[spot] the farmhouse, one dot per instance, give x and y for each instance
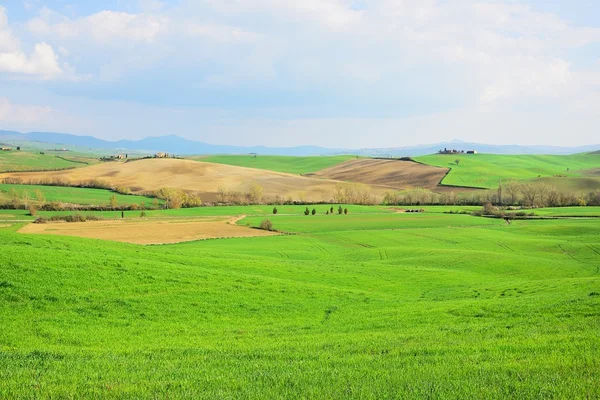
(5, 149)
(161, 155)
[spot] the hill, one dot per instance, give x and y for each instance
(205, 178)
(177, 145)
(27, 161)
(355, 306)
(392, 173)
(292, 165)
(486, 170)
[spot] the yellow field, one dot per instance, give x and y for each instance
(149, 231)
(205, 178)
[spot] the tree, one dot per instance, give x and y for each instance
(40, 197)
(327, 213)
(513, 189)
(143, 214)
(274, 210)
(266, 225)
(307, 211)
(530, 193)
(345, 211)
(314, 211)
(340, 210)
(331, 210)
(457, 161)
(113, 201)
(255, 194)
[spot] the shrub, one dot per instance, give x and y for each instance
(274, 210)
(307, 211)
(340, 210)
(345, 211)
(143, 214)
(314, 211)
(266, 225)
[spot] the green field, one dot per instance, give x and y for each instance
(353, 306)
(74, 195)
(26, 161)
(292, 165)
(486, 170)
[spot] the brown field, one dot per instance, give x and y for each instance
(205, 178)
(391, 173)
(149, 231)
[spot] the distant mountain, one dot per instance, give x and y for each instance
(181, 146)
(170, 144)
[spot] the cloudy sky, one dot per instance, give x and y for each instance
(357, 73)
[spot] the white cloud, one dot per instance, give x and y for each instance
(42, 62)
(103, 27)
(21, 114)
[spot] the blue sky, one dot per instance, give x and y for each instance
(369, 73)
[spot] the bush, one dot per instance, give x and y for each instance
(307, 211)
(143, 214)
(274, 210)
(266, 225)
(345, 211)
(314, 211)
(340, 210)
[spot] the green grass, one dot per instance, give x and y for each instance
(568, 211)
(25, 161)
(358, 306)
(73, 195)
(227, 211)
(293, 165)
(486, 170)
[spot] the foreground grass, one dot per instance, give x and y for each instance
(462, 307)
(72, 195)
(293, 165)
(486, 170)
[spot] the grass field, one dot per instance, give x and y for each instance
(26, 161)
(292, 165)
(354, 306)
(486, 170)
(73, 195)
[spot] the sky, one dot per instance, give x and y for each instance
(334, 73)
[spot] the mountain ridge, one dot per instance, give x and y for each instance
(182, 146)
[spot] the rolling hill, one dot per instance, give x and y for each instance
(486, 170)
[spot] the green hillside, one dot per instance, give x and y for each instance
(486, 170)
(293, 165)
(69, 195)
(26, 161)
(412, 306)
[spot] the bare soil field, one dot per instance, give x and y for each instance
(391, 173)
(205, 178)
(149, 231)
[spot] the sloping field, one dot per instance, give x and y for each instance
(485, 170)
(289, 164)
(25, 161)
(73, 195)
(393, 173)
(205, 178)
(148, 231)
(446, 307)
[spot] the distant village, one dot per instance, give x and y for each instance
(455, 151)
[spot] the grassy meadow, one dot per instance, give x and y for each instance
(486, 170)
(28, 161)
(74, 195)
(358, 306)
(289, 164)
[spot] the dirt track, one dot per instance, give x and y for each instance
(149, 231)
(392, 173)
